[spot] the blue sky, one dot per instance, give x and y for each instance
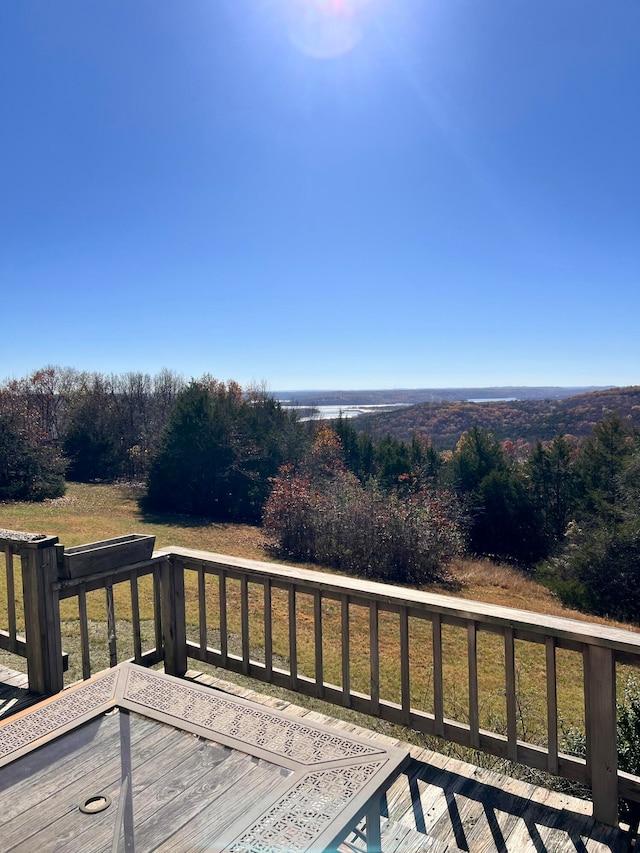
(322, 193)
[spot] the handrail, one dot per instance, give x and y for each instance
(306, 593)
(573, 631)
(601, 648)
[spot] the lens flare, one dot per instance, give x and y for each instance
(326, 28)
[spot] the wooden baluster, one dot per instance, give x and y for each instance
(222, 599)
(135, 618)
(202, 610)
(268, 630)
(405, 683)
(244, 622)
(293, 647)
(84, 632)
(374, 659)
(472, 653)
(552, 705)
(438, 687)
(510, 688)
(11, 597)
(111, 626)
(317, 625)
(157, 610)
(346, 652)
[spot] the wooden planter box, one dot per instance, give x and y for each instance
(103, 556)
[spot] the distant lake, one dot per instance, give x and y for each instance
(353, 410)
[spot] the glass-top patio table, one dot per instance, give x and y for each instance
(136, 760)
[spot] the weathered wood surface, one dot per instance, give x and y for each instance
(455, 806)
(104, 556)
(14, 692)
(182, 767)
(363, 592)
(184, 789)
(601, 647)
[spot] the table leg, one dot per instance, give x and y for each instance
(374, 843)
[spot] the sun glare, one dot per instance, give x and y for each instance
(326, 28)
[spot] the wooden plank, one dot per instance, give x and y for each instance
(374, 659)
(174, 629)
(438, 688)
(193, 821)
(552, 704)
(106, 555)
(486, 615)
(222, 600)
(11, 598)
(111, 626)
(472, 654)
(244, 622)
(42, 615)
(84, 633)
(43, 790)
(157, 607)
(293, 648)
(510, 688)
(202, 608)
(405, 683)
(68, 588)
(346, 651)
(135, 618)
(317, 630)
(601, 734)
(268, 629)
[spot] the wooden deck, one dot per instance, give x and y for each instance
(439, 804)
(442, 804)
(14, 692)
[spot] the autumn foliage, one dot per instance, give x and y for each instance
(320, 512)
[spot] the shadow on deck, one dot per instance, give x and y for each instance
(442, 804)
(439, 804)
(14, 692)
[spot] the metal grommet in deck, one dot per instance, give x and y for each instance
(95, 803)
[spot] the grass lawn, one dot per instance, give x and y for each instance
(92, 512)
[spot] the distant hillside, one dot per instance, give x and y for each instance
(444, 423)
(408, 396)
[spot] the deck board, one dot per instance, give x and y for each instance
(466, 808)
(439, 803)
(14, 692)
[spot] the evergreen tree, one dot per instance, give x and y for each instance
(30, 470)
(220, 451)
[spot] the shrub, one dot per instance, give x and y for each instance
(322, 513)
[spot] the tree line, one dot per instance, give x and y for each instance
(567, 508)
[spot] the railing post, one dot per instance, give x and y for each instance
(602, 754)
(174, 620)
(42, 615)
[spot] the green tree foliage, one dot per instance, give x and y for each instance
(505, 522)
(600, 464)
(599, 567)
(93, 440)
(31, 468)
(219, 452)
(553, 485)
(321, 512)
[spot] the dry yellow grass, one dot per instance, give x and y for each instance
(92, 512)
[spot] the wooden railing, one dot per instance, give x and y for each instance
(34, 603)
(599, 647)
(220, 610)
